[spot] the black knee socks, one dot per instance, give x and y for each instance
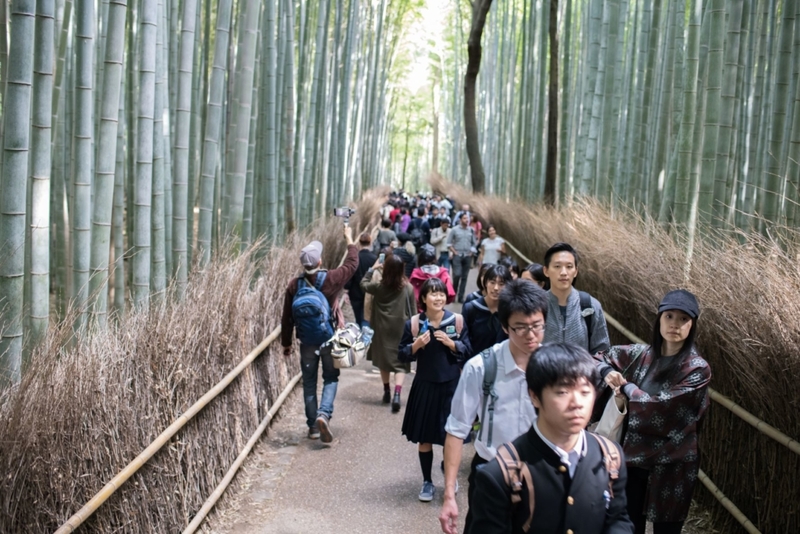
(426, 463)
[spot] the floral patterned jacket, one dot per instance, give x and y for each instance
(662, 429)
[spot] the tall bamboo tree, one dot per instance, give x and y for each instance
(105, 167)
(16, 135)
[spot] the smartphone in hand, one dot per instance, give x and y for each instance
(381, 257)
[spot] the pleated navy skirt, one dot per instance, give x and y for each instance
(427, 410)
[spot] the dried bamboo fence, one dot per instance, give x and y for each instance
(81, 412)
(749, 333)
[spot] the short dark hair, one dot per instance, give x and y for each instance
(560, 363)
(386, 223)
(560, 247)
(495, 271)
(521, 296)
(537, 273)
(364, 239)
(431, 285)
(510, 264)
(426, 255)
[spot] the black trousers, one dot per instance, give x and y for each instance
(476, 461)
(636, 491)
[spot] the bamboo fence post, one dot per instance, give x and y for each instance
(220, 489)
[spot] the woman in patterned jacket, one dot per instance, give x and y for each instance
(666, 384)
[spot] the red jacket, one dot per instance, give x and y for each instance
(331, 287)
(418, 277)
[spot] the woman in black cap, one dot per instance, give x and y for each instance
(666, 384)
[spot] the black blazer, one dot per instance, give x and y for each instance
(493, 513)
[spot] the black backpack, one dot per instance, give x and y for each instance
(416, 233)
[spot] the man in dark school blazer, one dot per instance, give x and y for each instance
(570, 480)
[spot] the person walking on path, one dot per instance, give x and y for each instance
(461, 243)
(439, 237)
(572, 488)
(439, 342)
(392, 304)
(366, 259)
(317, 314)
(573, 316)
(666, 384)
(426, 269)
(385, 236)
(485, 329)
(492, 248)
(507, 412)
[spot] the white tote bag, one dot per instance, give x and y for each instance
(610, 423)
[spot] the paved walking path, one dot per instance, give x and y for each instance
(366, 482)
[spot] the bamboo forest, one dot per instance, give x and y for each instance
(138, 137)
(163, 162)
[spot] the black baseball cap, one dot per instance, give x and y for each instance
(680, 299)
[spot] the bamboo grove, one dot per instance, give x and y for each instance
(139, 137)
(684, 110)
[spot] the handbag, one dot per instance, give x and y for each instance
(612, 421)
(348, 345)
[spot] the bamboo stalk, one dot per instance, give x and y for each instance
(108, 490)
(762, 426)
(726, 502)
(220, 489)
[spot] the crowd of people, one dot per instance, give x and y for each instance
(520, 371)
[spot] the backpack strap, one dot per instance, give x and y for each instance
(321, 275)
(489, 376)
(587, 311)
(415, 325)
(517, 475)
(611, 459)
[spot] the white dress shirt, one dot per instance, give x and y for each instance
(513, 410)
(571, 458)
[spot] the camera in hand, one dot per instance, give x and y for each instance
(344, 213)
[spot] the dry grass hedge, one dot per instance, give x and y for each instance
(749, 331)
(81, 414)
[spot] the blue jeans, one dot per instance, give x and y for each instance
(309, 365)
(444, 260)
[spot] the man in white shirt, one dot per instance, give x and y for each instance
(522, 312)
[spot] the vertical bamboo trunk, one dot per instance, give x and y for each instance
(727, 109)
(158, 267)
(105, 166)
(244, 88)
(773, 181)
(118, 216)
(271, 155)
(16, 136)
(684, 188)
(180, 184)
(288, 122)
(83, 135)
(40, 162)
(213, 129)
(143, 183)
(711, 128)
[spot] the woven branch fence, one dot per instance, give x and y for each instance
(749, 331)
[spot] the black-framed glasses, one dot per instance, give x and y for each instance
(527, 329)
